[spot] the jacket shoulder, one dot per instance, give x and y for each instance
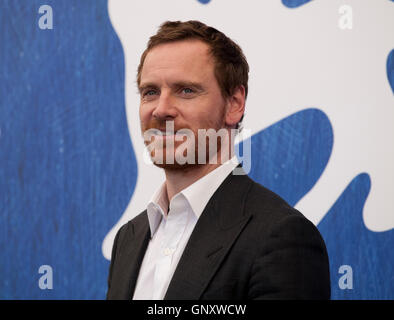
(291, 258)
(138, 220)
(267, 204)
(272, 214)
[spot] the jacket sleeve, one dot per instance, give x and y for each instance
(292, 264)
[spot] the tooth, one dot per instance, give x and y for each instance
(298, 58)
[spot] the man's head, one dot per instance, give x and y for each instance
(193, 75)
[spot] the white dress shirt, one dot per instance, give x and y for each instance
(171, 232)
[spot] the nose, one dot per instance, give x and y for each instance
(165, 109)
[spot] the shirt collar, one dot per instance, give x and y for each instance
(199, 193)
(196, 196)
(156, 205)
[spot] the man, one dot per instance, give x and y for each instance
(209, 232)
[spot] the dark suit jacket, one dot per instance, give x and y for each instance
(247, 244)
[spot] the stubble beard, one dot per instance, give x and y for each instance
(202, 149)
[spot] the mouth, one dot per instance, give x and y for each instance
(165, 133)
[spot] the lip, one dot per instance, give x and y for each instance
(164, 133)
(168, 135)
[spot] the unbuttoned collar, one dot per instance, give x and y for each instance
(193, 199)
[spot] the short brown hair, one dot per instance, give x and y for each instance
(231, 67)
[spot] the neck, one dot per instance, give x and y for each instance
(179, 179)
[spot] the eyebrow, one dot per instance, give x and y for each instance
(145, 86)
(178, 84)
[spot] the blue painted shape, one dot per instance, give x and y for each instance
(349, 242)
(289, 156)
(294, 3)
(67, 167)
(204, 1)
(390, 69)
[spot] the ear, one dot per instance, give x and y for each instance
(235, 107)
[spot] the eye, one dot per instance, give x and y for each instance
(150, 92)
(187, 90)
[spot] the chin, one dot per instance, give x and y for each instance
(188, 162)
(172, 163)
(175, 166)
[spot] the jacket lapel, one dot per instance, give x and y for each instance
(214, 234)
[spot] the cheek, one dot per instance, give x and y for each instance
(144, 113)
(207, 109)
(203, 120)
(214, 113)
(194, 119)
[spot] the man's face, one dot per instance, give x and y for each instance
(178, 84)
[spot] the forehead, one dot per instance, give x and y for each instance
(180, 60)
